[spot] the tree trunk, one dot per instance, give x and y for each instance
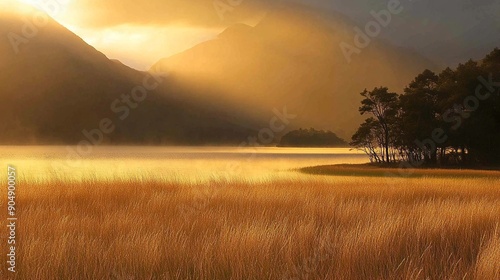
(387, 146)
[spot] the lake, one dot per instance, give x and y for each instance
(174, 164)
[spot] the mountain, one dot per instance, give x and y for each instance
(293, 58)
(53, 86)
(446, 31)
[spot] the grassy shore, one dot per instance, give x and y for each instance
(394, 171)
(320, 228)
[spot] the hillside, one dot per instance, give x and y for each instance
(56, 86)
(292, 58)
(311, 138)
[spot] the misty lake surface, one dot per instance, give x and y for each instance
(173, 164)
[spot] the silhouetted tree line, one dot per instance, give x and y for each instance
(450, 118)
(311, 138)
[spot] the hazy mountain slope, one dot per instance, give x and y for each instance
(57, 86)
(448, 32)
(292, 58)
(445, 31)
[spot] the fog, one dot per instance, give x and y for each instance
(180, 164)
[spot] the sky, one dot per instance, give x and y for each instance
(139, 33)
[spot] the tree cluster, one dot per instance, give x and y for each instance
(450, 118)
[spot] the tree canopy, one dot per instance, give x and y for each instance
(439, 119)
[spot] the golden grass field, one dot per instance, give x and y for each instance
(318, 227)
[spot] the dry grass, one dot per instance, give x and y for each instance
(372, 170)
(336, 228)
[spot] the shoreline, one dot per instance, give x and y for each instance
(393, 170)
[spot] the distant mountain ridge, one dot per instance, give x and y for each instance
(292, 57)
(57, 86)
(447, 32)
(218, 92)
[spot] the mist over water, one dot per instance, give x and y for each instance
(171, 164)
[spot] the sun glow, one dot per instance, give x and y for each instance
(33, 3)
(138, 45)
(57, 9)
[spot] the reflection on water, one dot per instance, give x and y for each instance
(187, 164)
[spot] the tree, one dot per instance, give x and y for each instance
(418, 113)
(486, 143)
(383, 105)
(366, 139)
(455, 113)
